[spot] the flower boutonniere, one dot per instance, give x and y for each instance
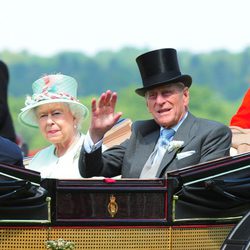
(174, 145)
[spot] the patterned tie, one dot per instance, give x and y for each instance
(165, 136)
(153, 163)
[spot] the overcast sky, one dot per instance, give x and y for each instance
(45, 27)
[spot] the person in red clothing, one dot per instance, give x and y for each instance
(240, 127)
(242, 116)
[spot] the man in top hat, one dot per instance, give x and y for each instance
(172, 140)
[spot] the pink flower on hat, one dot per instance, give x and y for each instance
(49, 80)
(49, 84)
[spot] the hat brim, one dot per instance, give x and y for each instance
(185, 79)
(28, 116)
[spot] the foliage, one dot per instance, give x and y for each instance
(226, 73)
(206, 103)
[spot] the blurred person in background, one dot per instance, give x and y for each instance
(242, 117)
(7, 129)
(240, 127)
(6, 124)
(9, 151)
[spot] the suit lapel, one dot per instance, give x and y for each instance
(184, 133)
(143, 151)
(147, 135)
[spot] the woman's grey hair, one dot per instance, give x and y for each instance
(77, 113)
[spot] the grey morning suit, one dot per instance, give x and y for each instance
(205, 139)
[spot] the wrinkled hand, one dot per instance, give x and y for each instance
(103, 115)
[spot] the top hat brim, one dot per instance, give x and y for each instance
(185, 79)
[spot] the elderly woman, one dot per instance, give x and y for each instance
(54, 108)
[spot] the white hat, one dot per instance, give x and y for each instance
(51, 89)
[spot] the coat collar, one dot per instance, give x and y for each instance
(184, 133)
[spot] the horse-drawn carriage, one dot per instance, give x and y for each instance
(193, 208)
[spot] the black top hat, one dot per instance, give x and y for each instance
(159, 67)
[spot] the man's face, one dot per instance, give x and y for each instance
(168, 103)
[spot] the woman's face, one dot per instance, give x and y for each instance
(56, 123)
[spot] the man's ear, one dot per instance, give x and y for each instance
(186, 96)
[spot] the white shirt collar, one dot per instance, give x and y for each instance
(175, 128)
